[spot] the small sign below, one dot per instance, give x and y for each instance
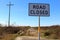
(39, 9)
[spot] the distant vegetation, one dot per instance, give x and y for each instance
(50, 32)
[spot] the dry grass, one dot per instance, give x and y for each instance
(9, 37)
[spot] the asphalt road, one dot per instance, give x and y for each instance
(30, 38)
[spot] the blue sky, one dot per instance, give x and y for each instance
(19, 13)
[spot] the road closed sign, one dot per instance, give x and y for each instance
(39, 9)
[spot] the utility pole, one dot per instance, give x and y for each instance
(9, 5)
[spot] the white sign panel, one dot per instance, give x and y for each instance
(39, 9)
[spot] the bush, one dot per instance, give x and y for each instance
(46, 34)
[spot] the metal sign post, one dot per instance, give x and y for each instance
(39, 9)
(39, 28)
